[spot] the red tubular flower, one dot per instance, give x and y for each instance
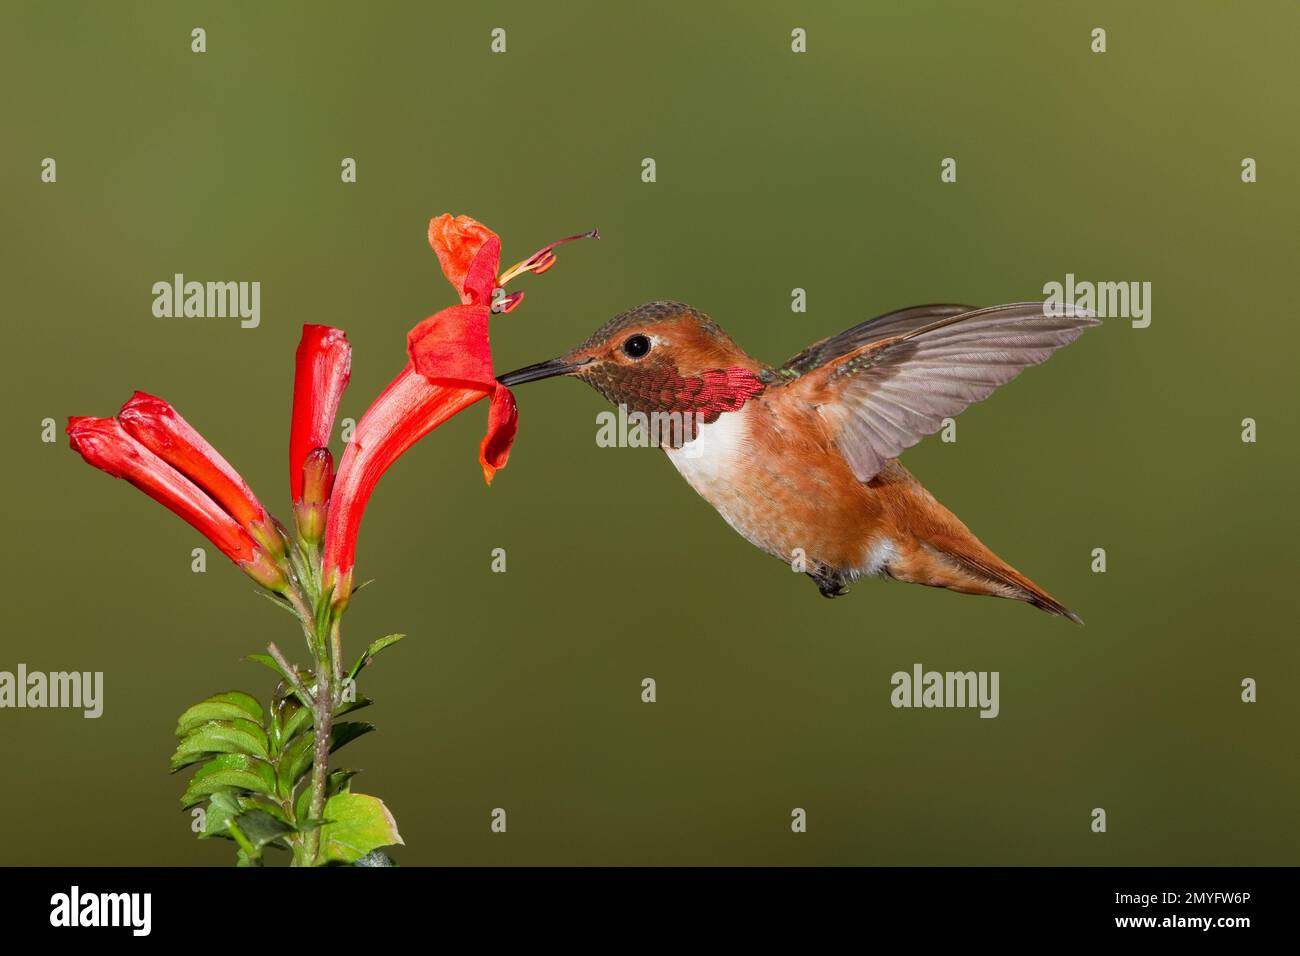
(322, 368)
(104, 443)
(470, 255)
(450, 368)
(409, 408)
(160, 428)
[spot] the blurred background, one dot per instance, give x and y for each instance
(775, 170)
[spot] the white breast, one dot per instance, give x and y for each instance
(710, 460)
(720, 465)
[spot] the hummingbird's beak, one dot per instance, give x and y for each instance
(547, 369)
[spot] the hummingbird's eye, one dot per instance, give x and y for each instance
(636, 346)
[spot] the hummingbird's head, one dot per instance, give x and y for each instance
(658, 357)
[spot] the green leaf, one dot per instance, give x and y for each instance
(229, 771)
(295, 722)
(375, 647)
(344, 733)
(295, 761)
(297, 757)
(324, 609)
(267, 804)
(222, 808)
(358, 823)
(302, 719)
(266, 660)
(232, 705)
(249, 855)
(261, 828)
(279, 602)
(221, 737)
(275, 726)
(337, 782)
(348, 706)
(375, 858)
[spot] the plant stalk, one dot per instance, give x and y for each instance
(323, 717)
(291, 672)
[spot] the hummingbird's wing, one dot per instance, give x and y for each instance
(890, 392)
(873, 330)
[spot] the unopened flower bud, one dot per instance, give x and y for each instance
(317, 481)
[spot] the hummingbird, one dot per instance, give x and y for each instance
(801, 459)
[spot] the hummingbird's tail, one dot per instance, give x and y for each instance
(970, 568)
(939, 551)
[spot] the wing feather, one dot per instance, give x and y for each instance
(890, 390)
(873, 330)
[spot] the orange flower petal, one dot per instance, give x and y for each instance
(458, 242)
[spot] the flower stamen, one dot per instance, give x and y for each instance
(543, 258)
(506, 303)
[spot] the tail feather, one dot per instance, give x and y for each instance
(968, 567)
(1004, 574)
(939, 551)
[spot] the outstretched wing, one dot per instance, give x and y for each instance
(889, 393)
(873, 330)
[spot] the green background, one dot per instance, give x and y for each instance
(775, 170)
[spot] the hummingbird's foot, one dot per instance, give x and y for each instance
(831, 586)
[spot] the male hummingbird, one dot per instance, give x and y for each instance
(801, 459)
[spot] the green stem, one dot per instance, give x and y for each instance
(329, 656)
(336, 651)
(327, 650)
(324, 720)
